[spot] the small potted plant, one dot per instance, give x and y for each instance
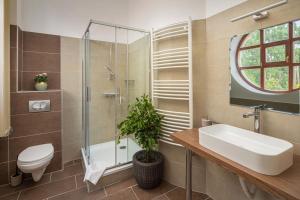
(41, 82)
(144, 123)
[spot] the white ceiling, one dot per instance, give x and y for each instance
(70, 17)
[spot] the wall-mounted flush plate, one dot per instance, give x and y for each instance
(39, 106)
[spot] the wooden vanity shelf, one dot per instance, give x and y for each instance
(286, 185)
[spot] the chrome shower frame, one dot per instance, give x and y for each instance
(86, 96)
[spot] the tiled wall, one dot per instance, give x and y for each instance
(37, 53)
(103, 108)
(41, 53)
(35, 128)
(15, 60)
(4, 160)
(174, 171)
(211, 77)
(71, 84)
(139, 68)
(216, 74)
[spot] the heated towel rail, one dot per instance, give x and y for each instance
(178, 90)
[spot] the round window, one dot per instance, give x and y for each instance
(269, 59)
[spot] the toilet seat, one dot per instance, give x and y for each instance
(35, 160)
(36, 154)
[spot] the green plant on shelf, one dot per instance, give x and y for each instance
(41, 78)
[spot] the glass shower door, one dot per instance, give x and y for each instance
(102, 92)
(132, 65)
(85, 96)
(116, 71)
(121, 61)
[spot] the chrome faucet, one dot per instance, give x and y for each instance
(256, 114)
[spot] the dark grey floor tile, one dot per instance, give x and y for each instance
(80, 194)
(179, 194)
(11, 197)
(150, 194)
(29, 183)
(79, 181)
(49, 190)
(161, 197)
(127, 194)
(67, 172)
(120, 186)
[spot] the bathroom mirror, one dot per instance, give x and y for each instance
(265, 68)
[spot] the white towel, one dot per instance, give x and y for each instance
(94, 172)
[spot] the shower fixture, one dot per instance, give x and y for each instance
(112, 75)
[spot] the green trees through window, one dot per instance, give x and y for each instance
(269, 59)
(276, 33)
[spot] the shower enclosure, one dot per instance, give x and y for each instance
(115, 71)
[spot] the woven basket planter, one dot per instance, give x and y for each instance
(148, 175)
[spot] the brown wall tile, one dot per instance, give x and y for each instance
(16, 145)
(56, 163)
(3, 149)
(19, 101)
(28, 83)
(36, 61)
(20, 38)
(13, 58)
(12, 168)
(3, 173)
(13, 36)
(42, 54)
(41, 42)
(35, 123)
(19, 80)
(20, 60)
(13, 79)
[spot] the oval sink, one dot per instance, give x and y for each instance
(261, 153)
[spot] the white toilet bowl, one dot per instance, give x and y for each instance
(35, 160)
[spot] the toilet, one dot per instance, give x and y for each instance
(35, 160)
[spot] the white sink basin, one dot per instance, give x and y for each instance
(261, 153)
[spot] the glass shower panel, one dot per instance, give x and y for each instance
(132, 64)
(138, 82)
(116, 71)
(103, 92)
(85, 100)
(122, 100)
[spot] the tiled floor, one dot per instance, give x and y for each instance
(68, 185)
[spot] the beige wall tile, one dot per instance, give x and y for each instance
(71, 84)
(102, 111)
(218, 33)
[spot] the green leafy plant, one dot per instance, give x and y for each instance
(144, 122)
(41, 78)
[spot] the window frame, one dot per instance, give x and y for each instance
(264, 64)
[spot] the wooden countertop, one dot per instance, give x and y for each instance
(285, 185)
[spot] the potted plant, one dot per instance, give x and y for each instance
(41, 82)
(144, 123)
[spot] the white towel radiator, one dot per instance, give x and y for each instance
(172, 89)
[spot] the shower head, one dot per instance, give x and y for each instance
(111, 73)
(110, 70)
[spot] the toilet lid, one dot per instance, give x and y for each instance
(36, 153)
